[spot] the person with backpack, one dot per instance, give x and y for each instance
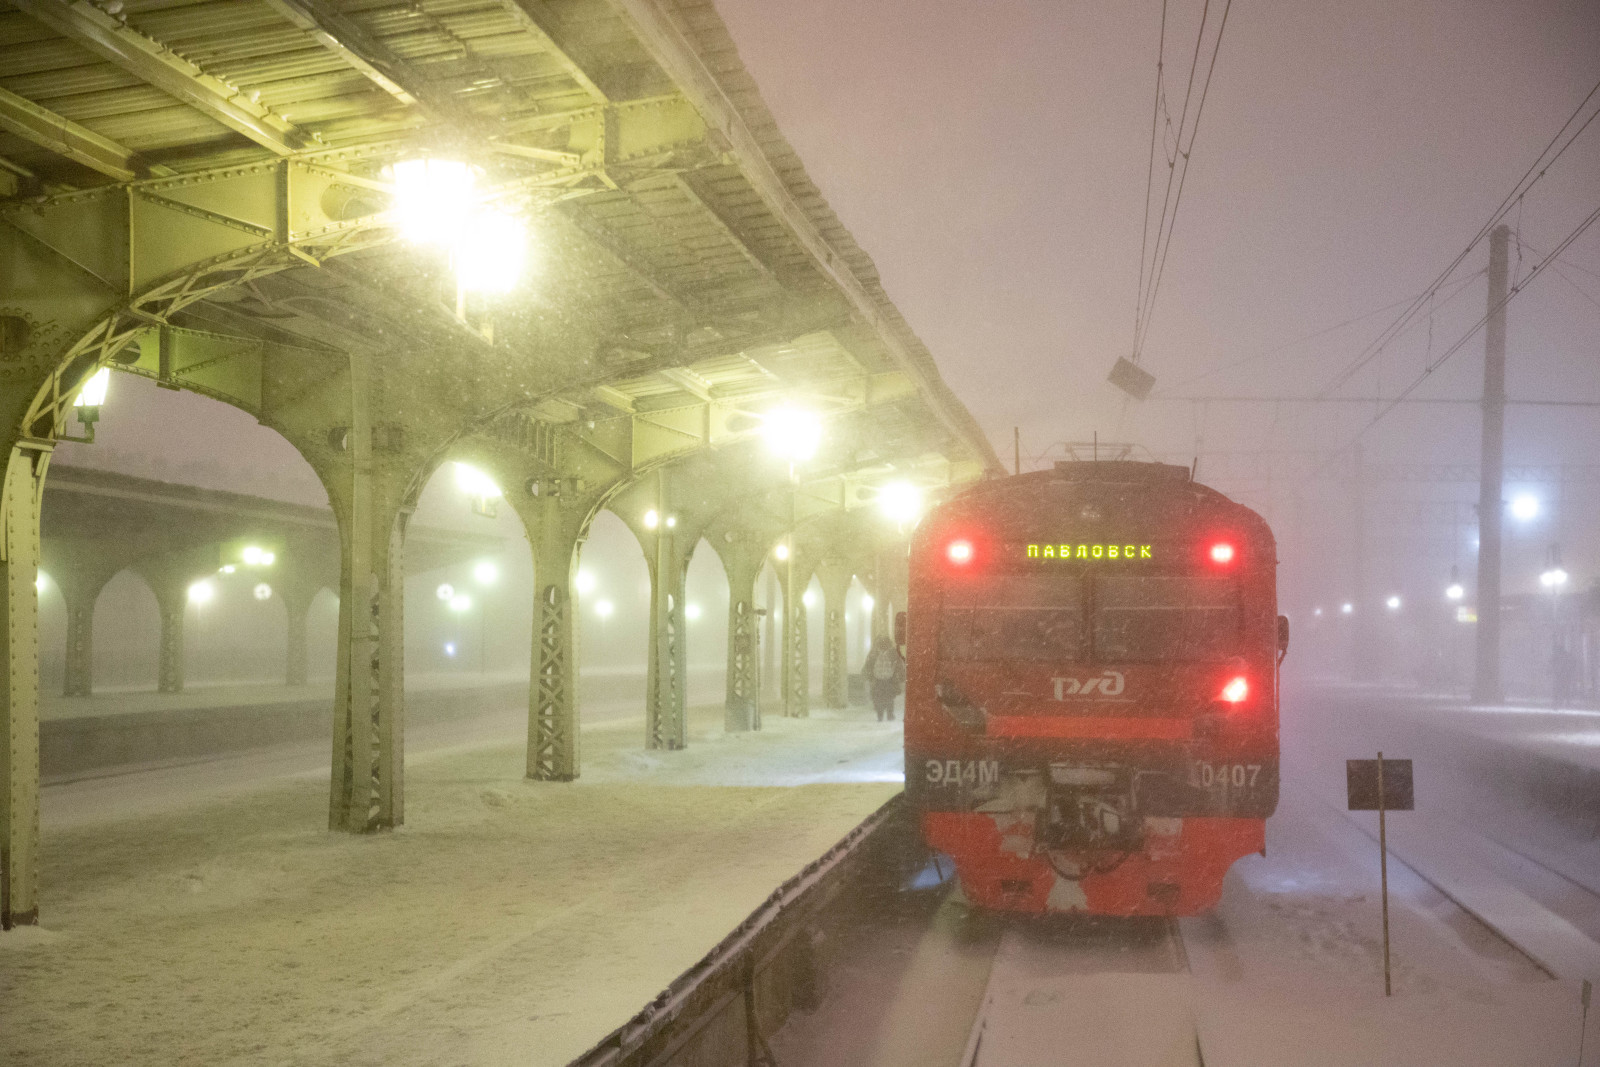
(885, 672)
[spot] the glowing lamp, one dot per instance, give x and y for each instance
(1237, 689)
(201, 592)
(585, 582)
(652, 519)
(263, 591)
(900, 501)
(1222, 552)
(781, 553)
(792, 433)
(490, 251)
(867, 602)
(691, 612)
(1455, 591)
(959, 552)
(445, 591)
(460, 602)
(433, 199)
(486, 573)
(93, 393)
(604, 609)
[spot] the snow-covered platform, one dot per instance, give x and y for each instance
(508, 922)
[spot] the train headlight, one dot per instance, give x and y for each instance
(959, 552)
(1222, 552)
(1235, 692)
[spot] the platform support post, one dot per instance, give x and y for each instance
(795, 575)
(172, 600)
(80, 593)
(554, 534)
(297, 593)
(666, 720)
(366, 792)
(23, 487)
(835, 576)
(742, 561)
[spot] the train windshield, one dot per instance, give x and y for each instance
(1154, 620)
(1129, 619)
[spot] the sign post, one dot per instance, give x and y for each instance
(1383, 786)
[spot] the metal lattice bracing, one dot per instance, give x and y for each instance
(551, 744)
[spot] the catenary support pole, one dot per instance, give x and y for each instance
(1486, 688)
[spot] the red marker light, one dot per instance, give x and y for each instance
(1222, 552)
(959, 552)
(1236, 690)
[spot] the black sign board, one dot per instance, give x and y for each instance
(1361, 779)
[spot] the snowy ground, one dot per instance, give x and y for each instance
(198, 915)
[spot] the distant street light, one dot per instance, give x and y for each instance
(604, 608)
(263, 591)
(691, 612)
(460, 602)
(1524, 507)
(652, 519)
(781, 552)
(1554, 578)
(1347, 608)
(445, 591)
(1455, 591)
(201, 592)
(585, 582)
(1393, 603)
(485, 572)
(1317, 612)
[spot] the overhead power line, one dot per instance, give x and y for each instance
(1531, 177)
(1153, 254)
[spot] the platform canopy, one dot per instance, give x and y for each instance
(213, 182)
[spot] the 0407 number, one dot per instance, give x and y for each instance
(1226, 775)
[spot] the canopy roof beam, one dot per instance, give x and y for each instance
(346, 38)
(149, 60)
(55, 133)
(536, 18)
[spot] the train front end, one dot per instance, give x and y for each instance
(1091, 704)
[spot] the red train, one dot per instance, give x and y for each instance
(1092, 700)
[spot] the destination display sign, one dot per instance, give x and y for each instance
(1088, 550)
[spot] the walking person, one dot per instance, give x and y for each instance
(886, 676)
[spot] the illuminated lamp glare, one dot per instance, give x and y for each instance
(691, 611)
(808, 598)
(93, 393)
(652, 519)
(1236, 690)
(1553, 579)
(485, 572)
(781, 553)
(433, 199)
(445, 591)
(450, 648)
(252, 556)
(1524, 507)
(227, 568)
(268, 558)
(1317, 612)
(959, 552)
(263, 591)
(1456, 591)
(792, 433)
(1393, 603)
(584, 582)
(867, 602)
(475, 483)
(604, 608)
(900, 501)
(1222, 552)
(490, 252)
(40, 581)
(460, 602)
(1347, 608)
(201, 592)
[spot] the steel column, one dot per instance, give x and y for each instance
(835, 577)
(367, 788)
(666, 719)
(80, 593)
(742, 565)
(794, 577)
(553, 690)
(19, 738)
